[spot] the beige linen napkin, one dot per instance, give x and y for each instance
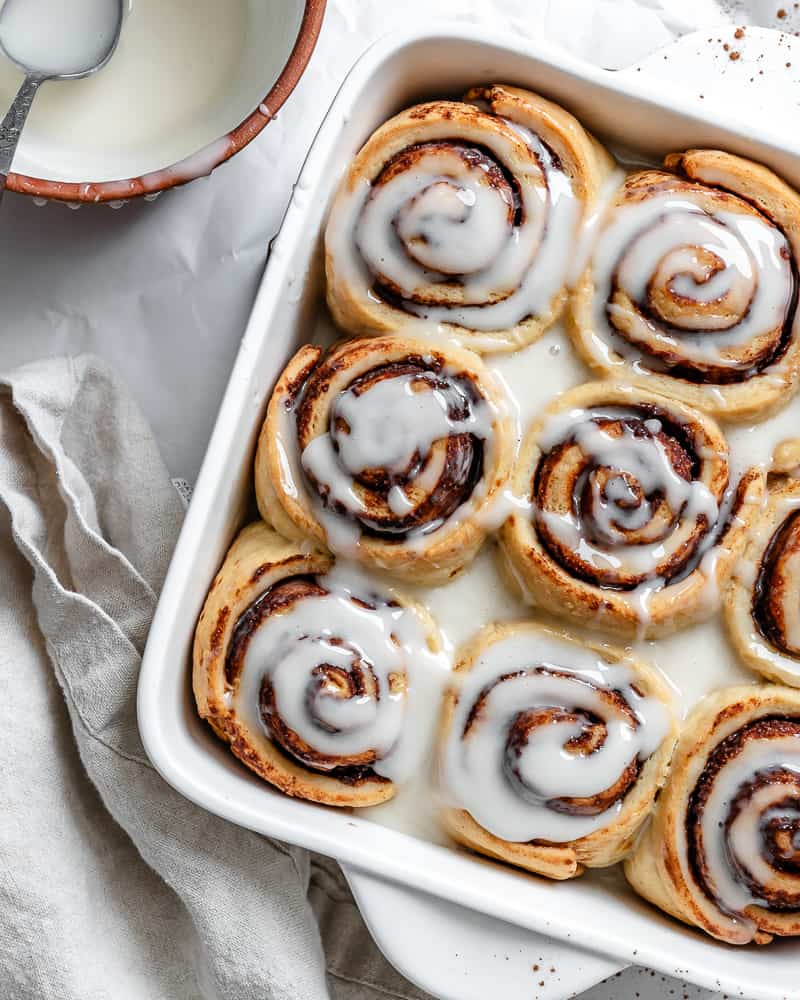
(113, 885)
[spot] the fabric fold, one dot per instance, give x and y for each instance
(113, 884)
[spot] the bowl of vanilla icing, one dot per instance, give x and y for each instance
(190, 84)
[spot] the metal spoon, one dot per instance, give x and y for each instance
(14, 121)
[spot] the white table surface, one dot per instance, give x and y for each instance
(162, 290)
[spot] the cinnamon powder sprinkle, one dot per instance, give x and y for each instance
(739, 33)
(734, 56)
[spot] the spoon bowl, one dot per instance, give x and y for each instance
(79, 39)
(50, 40)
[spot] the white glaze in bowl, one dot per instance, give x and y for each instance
(191, 83)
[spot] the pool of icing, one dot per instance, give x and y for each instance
(693, 661)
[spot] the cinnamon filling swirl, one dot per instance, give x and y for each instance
(775, 608)
(743, 819)
(547, 738)
(694, 282)
(325, 664)
(452, 230)
(465, 182)
(326, 678)
(404, 447)
(619, 498)
(590, 736)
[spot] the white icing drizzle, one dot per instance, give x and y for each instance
(387, 640)
(442, 220)
(393, 425)
(643, 460)
(653, 244)
(475, 766)
(696, 660)
(742, 843)
(390, 426)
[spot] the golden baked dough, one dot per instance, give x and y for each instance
(762, 607)
(691, 290)
(309, 696)
(390, 451)
(629, 528)
(524, 698)
(462, 218)
(722, 850)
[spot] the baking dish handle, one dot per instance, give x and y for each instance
(458, 954)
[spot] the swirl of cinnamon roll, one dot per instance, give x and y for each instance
(318, 679)
(463, 215)
(388, 451)
(723, 850)
(762, 607)
(634, 520)
(552, 749)
(692, 285)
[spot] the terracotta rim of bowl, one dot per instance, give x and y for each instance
(206, 159)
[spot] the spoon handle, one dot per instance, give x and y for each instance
(12, 124)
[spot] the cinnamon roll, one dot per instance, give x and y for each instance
(390, 451)
(317, 678)
(634, 520)
(692, 285)
(762, 608)
(723, 850)
(462, 217)
(553, 749)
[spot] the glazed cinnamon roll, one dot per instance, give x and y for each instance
(762, 608)
(462, 217)
(692, 285)
(317, 678)
(389, 451)
(634, 521)
(723, 850)
(553, 749)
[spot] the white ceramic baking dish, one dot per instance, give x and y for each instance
(596, 912)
